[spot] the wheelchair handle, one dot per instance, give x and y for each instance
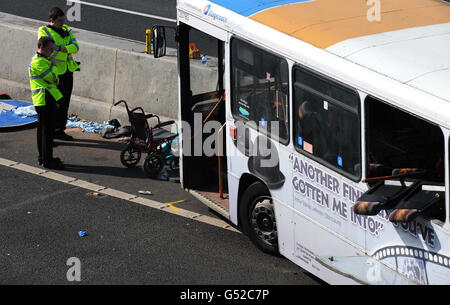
(138, 108)
(121, 101)
(164, 124)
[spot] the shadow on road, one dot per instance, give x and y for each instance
(135, 172)
(90, 143)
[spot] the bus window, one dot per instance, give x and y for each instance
(397, 140)
(260, 89)
(204, 76)
(327, 122)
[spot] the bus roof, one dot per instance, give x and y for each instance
(324, 23)
(410, 43)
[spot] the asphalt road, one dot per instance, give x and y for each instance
(126, 243)
(127, 23)
(102, 20)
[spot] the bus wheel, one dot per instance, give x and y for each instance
(257, 217)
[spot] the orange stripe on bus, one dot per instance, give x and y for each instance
(324, 23)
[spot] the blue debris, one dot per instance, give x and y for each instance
(91, 127)
(163, 175)
(25, 112)
(82, 233)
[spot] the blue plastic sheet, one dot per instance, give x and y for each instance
(16, 113)
(90, 127)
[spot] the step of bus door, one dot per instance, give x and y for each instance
(382, 196)
(424, 200)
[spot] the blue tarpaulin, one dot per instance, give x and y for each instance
(19, 113)
(74, 122)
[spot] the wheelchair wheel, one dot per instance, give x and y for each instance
(153, 165)
(130, 156)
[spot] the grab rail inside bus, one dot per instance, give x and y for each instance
(400, 173)
(220, 161)
(222, 98)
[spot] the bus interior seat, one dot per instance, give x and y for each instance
(205, 108)
(382, 196)
(424, 200)
(378, 170)
(313, 130)
(420, 146)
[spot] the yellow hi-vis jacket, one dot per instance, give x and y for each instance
(43, 76)
(62, 60)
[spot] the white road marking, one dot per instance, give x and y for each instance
(123, 10)
(117, 194)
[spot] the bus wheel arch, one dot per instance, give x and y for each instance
(257, 215)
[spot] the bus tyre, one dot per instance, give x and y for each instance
(130, 156)
(257, 218)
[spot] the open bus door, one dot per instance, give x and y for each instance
(203, 161)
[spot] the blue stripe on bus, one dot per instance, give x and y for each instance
(251, 7)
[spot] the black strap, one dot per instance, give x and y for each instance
(63, 33)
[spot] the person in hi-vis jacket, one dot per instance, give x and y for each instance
(62, 57)
(45, 94)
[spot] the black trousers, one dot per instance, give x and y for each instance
(65, 86)
(45, 129)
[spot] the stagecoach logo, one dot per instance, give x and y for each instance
(207, 11)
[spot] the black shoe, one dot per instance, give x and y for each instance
(55, 163)
(63, 136)
(57, 160)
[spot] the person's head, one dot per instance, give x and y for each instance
(56, 17)
(46, 46)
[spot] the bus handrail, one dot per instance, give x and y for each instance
(220, 161)
(222, 97)
(402, 173)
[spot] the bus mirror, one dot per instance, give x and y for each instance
(159, 41)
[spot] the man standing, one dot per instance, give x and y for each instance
(43, 82)
(66, 45)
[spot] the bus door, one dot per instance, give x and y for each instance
(202, 112)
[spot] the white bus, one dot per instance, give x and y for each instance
(353, 183)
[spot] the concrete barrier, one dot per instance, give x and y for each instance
(112, 69)
(13, 67)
